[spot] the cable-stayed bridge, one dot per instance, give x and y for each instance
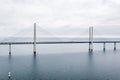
(90, 40)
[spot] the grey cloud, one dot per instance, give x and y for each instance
(56, 15)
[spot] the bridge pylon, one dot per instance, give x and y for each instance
(34, 43)
(90, 39)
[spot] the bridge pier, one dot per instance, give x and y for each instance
(104, 46)
(114, 45)
(9, 49)
(90, 47)
(90, 39)
(34, 44)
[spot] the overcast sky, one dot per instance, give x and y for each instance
(60, 16)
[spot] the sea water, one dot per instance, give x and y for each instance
(60, 62)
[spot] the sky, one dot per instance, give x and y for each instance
(59, 17)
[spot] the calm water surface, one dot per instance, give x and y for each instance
(60, 62)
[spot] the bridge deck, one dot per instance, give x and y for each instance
(69, 42)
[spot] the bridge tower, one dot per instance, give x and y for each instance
(34, 44)
(90, 39)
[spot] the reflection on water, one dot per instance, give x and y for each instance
(91, 67)
(34, 71)
(10, 67)
(75, 66)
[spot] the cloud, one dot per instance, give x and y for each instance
(56, 15)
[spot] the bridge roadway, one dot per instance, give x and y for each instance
(61, 42)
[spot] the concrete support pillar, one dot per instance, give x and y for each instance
(104, 46)
(34, 45)
(9, 49)
(114, 45)
(90, 39)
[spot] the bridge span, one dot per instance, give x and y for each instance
(57, 42)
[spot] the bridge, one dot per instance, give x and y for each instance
(90, 42)
(68, 42)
